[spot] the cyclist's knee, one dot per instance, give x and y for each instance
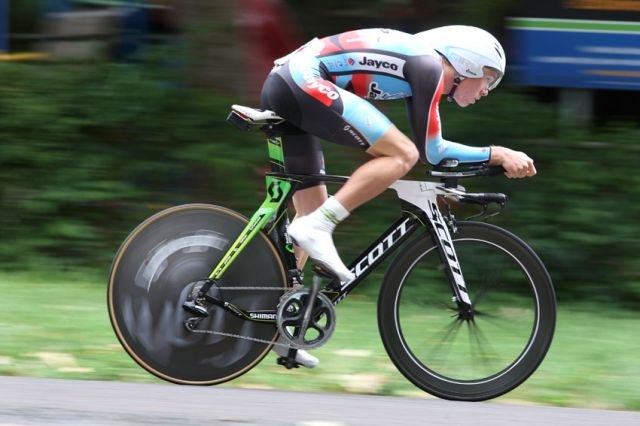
(409, 155)
(396, 145)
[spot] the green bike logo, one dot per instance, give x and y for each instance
(275, 192)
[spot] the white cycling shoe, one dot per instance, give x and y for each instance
(318, 243)
(303, 358)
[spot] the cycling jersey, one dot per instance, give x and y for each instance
(323, 87)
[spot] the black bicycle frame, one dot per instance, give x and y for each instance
(411, 219)
(362, 266)
(371, 257)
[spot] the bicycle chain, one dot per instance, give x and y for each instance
(238, 336)
(291, 289)
(253, 288)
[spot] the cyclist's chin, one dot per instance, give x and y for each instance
(470, 102)
(463, 103)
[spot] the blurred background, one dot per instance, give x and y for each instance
(113, 110)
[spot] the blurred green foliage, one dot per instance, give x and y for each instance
(407, 15)
(88, 151)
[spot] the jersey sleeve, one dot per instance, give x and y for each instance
(426, 77)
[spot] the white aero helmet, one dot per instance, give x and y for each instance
(468, 50)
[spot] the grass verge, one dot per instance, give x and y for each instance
(58, 326)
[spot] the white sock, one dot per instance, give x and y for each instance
(313, 233)
(330, 213)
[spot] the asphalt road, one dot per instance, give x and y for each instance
(31, 401)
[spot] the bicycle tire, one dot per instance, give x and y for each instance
(154, 270)
(509, 336)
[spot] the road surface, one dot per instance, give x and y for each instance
(33, 401)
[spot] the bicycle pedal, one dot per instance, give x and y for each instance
(287, 362)
(195, 308)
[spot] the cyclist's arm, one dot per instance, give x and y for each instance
(425, 76)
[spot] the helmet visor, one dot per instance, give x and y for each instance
(495, 76)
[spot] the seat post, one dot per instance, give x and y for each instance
(276, 152)
(280, 189)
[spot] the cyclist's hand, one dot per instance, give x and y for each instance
(517, 164)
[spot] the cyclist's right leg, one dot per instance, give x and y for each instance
(394, 156)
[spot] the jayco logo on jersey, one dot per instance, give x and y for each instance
(382, 63)
(323, 88)
(320, 86)
(378, 64)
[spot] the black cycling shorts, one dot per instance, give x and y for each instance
(314, 107)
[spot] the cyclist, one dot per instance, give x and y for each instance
(322, 90)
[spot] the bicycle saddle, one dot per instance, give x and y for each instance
(257, 117)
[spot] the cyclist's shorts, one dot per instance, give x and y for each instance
(301, 91)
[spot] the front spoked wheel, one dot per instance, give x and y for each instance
(156, 269)
(452, 355)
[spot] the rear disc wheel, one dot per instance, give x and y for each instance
(155, 269)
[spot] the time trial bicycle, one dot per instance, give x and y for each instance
(199, 294)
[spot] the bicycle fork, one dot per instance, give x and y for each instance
(442, 237)
(424, 196)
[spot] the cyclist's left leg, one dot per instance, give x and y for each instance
(306, 201)
(303, 155)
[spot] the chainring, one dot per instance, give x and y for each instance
(320, 322)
